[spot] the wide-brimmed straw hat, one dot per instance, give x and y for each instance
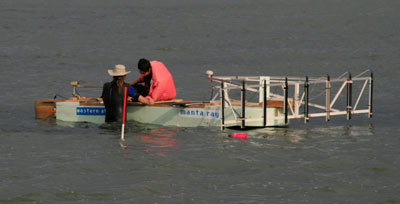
(119, 70)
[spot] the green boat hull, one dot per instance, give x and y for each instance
(172, 115)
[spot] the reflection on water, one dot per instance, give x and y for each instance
(159, 140)
(274, 134)
(310, 136)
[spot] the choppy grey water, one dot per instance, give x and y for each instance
(45, 44)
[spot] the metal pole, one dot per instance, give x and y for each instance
(243, 104)
(123, 117)
(285, 105)
(222, 106)
(349, 96)
(265, 104)
(306, 86)
(371, 88)
(328, 98)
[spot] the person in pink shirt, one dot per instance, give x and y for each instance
(158, 82)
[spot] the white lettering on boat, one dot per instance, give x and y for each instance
(90, 111)
(199, 113)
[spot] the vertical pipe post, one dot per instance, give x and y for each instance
(328, 98)
(371, 89)
(222, 106)
(306, 93)
(296, 99)
(265, 104)
(285, 105)
(243, 104)
(349, 96)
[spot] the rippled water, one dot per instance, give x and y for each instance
(46, 44)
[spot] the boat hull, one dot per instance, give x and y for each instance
(171, 114)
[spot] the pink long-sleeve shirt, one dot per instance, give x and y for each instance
(163, 87)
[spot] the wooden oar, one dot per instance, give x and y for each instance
(123, 117)
(169, 101)
(95, 87)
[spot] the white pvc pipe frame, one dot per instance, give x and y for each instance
(230, 84)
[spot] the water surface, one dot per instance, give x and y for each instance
(46, 44)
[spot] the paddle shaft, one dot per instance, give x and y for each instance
(123, 117)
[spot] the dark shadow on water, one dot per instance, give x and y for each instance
(256, 128)
(111, 127)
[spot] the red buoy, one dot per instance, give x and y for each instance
(240, 135)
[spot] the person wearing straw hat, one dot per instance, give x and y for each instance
(162, 87)
(113, 93)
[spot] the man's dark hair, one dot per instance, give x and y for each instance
(144, 65)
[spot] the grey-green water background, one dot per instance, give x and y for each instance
(45, 44)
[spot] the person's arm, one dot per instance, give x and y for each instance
(139, 80)
(131, 93)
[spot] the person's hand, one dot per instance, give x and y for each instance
(143, 100)
(151, 101)
(130, 99)
(146, 100)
